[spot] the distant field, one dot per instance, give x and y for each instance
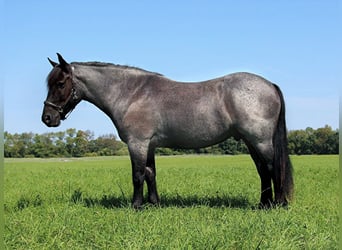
(207, 202)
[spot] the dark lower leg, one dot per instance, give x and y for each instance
(138, 188)
(151, 185)
(280, 198)
(150, 177)
(138, 153)
(266, 198)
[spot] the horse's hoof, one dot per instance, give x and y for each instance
(137, 205)
(283, 204)
(154, 200)
(266, 205)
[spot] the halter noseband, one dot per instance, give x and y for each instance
(60, 108)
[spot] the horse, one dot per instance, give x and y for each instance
(150, 110)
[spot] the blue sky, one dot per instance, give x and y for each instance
(296, 44)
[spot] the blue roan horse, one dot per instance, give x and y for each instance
(150, 110)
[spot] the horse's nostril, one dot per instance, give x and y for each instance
(47, 119)
(50, 119)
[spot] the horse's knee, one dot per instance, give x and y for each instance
(150, 174)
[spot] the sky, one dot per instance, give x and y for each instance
(295, 44)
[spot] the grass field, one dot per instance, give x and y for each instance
(207, 202)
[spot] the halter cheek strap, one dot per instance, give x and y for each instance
(60, 108)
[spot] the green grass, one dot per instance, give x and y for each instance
(207, 202)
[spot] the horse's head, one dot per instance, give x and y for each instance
(62, 97)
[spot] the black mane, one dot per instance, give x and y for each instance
(102, 64)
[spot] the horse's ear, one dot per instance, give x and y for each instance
(54, 64)
(62, 63)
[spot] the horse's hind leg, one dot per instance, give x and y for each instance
(150, 177)
(270, 173)
(263, 166)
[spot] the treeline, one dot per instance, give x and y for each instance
(78, 143)
(314, 141)
(69, 143)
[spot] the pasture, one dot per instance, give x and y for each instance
(207, 202)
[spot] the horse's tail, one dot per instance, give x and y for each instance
(282, 163)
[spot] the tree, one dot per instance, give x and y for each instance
(17, 145)
(233, 147)
(60, 141)
(43, 146)
(80, 144)
(326, 141)
(105, 145)
(301, 141)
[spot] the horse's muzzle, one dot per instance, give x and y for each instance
(51, 119)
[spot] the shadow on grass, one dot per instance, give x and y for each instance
(209, 201)
(107, 201)
(112, 201)
(122, 201)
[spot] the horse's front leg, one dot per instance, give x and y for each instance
(150, 177)
(138, 153)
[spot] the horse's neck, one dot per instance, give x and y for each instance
(106, 88)
(97, 84)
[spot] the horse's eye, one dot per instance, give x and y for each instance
(61, 85)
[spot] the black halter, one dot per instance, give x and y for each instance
(70, 101)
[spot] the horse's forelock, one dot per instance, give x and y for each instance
(53, 76)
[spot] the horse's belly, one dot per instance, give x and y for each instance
(195, 123)
(194, 135)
